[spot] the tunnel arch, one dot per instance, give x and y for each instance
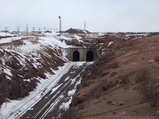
(89, 56)
(76, 56)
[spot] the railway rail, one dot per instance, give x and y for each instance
(48, 97)
(22, 109)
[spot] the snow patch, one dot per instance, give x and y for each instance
(8, 40)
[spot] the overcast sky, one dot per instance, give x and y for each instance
(100, 15)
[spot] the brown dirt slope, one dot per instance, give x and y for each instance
(109, 89)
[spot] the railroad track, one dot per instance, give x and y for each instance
(41, 114)
(30, 103)
(57, 97)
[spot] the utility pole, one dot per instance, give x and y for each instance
(18, 28)
(26, 29)
(32, 33)
(60, 24)
(39, 30)
(84, 25)
(33, 29)
(6, 30)
(44, 29)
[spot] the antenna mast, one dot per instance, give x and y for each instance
(60, 24)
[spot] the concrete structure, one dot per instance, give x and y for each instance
(81, 54)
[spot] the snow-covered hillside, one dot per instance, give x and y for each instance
(27, 62)
(24, 60)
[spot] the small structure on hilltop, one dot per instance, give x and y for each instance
(82, 54)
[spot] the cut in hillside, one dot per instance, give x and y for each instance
(112, 88)
(27, 61)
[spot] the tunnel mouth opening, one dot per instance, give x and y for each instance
(76, 56)
(89, 56)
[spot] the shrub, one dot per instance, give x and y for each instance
(124, 79)
(149, 87)
(156, 59)
(70, 114)
(114, 65)
(143, 75)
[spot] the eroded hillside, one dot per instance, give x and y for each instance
(110, 88)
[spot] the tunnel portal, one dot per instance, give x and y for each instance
(76, 56)
(89, 56)
(81, 54)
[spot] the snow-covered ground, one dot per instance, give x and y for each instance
(6, 34)
(8, 40)
(28, 47)
(24, 104)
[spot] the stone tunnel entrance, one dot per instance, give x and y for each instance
(76, 56)
(81, 54)
(89, 56)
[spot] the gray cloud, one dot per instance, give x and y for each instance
(100, 15)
